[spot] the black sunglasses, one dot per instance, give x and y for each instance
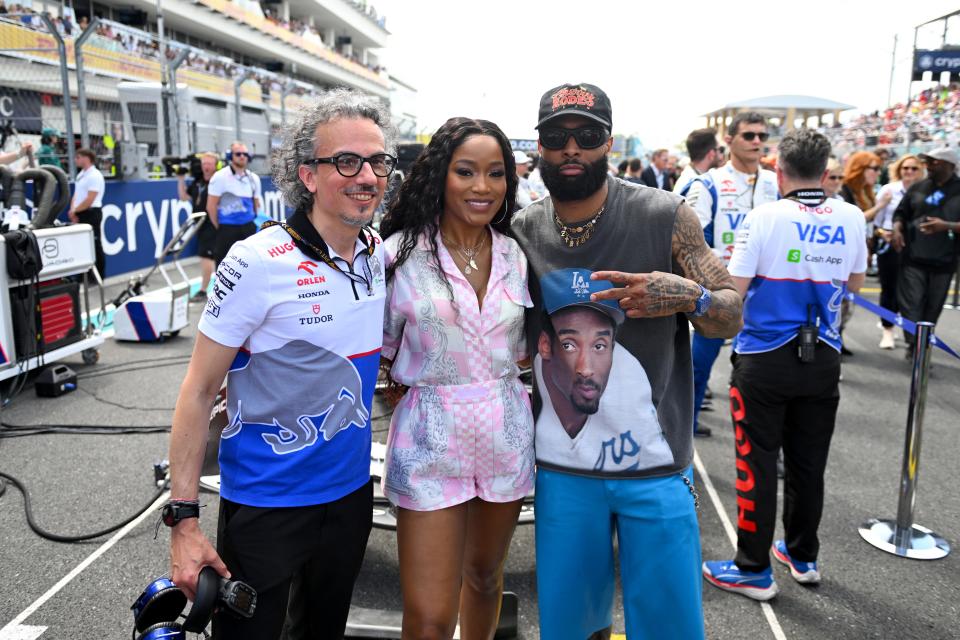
(240, 153)
(908, 168)
(350, 164)
(589, 137)
(750, 135)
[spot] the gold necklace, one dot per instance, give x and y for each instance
(468, 254)
(576, 236)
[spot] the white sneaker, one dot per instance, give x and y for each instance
(887, 341)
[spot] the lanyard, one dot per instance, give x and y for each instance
(314, 251)
(809, 197)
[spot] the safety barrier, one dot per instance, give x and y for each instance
(902, 536)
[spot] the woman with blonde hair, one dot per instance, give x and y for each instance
(904, 173)
(833, 180)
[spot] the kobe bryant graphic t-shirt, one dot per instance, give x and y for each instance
(612, 395)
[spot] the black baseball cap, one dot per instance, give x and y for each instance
(576, 99)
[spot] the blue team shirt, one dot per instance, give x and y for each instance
(800, 258)
(300, 391)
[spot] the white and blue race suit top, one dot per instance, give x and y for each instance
(800, 257)
(723, 197)
(237, 192)
(300, 390)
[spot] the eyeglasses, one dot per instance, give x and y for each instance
(834, 177)
(350, 164)
(237, 154)
(750, 135)
(588, 137)
(874, 168)
(908, 168)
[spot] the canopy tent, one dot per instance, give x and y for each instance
(785, 109)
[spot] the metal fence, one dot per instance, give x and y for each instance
(35, 103)
(58, 79)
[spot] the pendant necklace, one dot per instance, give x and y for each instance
(469, 254)
(577, 235)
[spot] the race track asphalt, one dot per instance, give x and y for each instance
(80, 483)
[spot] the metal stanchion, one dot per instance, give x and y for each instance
(955, 298)
(902, 536)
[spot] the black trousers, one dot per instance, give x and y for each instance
(94, 217)
(778, 401)
(921, 293)
(319, 547)
(227, 234)
(888, 266)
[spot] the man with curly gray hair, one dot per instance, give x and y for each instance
(296, 317)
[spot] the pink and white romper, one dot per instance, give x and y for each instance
(465, 428)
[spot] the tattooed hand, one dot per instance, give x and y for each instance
(649, 295)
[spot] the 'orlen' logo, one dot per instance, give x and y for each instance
(793, 255)
(303, 282)
(579, 285)
(307, 266)
(573, 97)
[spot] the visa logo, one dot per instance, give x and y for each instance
(735, 220)
(820, 234)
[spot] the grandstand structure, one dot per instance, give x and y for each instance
(263, 56)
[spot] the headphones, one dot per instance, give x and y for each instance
(156, 611)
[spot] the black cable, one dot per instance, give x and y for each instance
(131, 369)
(120, 405)
(80, 538)
(8, 430)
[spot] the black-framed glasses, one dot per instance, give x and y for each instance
(909, 168)
(750, 135)
(350, 164)
(237, 154)
(874, 167)
(589, 137)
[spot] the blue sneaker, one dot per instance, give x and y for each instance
(724, 574)
(803, 572)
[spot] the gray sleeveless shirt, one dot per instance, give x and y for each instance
(622, 408)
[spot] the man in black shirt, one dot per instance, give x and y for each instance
(926, 231)
(196, 193)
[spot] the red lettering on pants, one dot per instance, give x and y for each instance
(747, 483)
(744, 505)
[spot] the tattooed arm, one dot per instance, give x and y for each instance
(650, 295)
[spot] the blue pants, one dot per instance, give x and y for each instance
(705, 352)
(659, 546)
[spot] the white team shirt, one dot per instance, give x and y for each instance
(724, 199)
(89, 180)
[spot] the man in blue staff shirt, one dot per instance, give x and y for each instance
(793, 262)
(233, 199)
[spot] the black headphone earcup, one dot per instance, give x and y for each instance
(163, 631)
(208, 584)
(165, 605)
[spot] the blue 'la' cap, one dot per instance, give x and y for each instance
(572, 287)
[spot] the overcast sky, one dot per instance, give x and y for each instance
(662, 63)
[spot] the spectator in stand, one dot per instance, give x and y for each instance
(926, 231)
(833, 179)
(905, 172)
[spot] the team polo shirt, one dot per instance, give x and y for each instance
(236, 192)
(88, 180)
(300, 390)
(800, 258)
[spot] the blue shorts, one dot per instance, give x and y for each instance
(659, 546)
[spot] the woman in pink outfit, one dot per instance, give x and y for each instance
(460, 449)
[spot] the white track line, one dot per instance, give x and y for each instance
(65, 580)
(732, 536)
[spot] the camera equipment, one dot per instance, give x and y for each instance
(174, 165)
(156, 611)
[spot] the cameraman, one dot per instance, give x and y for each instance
(196, 193)
(794, 260)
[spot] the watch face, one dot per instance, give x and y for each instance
(168, 515)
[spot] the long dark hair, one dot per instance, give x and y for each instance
(416, 206)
